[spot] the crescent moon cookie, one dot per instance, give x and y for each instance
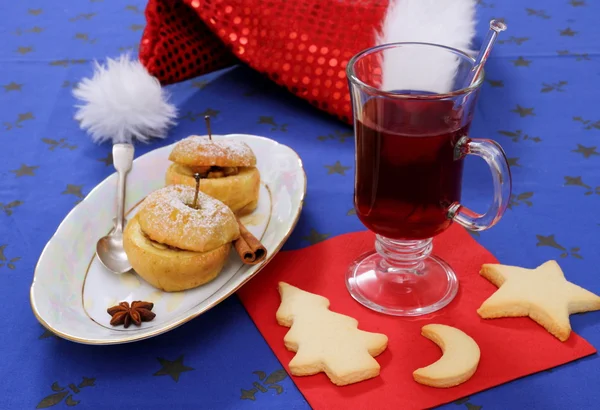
(325, 341)
(543, 294)
(227, 168)
(459, 359)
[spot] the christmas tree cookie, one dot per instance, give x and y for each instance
(325, 341)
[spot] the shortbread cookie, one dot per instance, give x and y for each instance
(325, 341)
(543, 294)
(459, 359)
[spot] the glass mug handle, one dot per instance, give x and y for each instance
(493, 154)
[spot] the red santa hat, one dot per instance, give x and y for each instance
(302, 45)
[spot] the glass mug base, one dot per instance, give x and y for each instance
(402, 278)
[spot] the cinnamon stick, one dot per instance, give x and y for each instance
(249, 248)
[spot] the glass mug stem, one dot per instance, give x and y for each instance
(402, 256)
(494, 156)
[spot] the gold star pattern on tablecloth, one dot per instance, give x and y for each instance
(578, 56)
(523, 111)
(513, 162)
(577, 181)
(12, 86)
(336, 168)
(586, 151)
(133, 8)
(551, 242)
(25, 116)
(483, 3)
(519, 199)
(587, 123)
(35, 12)
(66, 63)
(547, 87)
(567, 32)
(61, 143)
(135, 47)
(136, 27)
(543, 294)
(496, 83)
(248, 394)
(341, 136)
(20, 118)
(34, 29)
(514, 40)
(172, 368)
(24, 50)
(577, 3)
(266, 382)
(266, 120)
(46, 335)
(517, 135)
(521, 62)
(315, 237)
(271, 121)
(73, 190)
(65, 393)
(200, 84)
(108, 160)
(9, 207)
(25, 171)
(469, 406)
(4, 260)
(84, 16)
(85, 38)
(537, 13)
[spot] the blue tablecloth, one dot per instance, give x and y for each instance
(539, 101)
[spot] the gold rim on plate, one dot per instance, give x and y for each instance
(180, 322)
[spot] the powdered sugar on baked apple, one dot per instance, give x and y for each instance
(198, 150)
(167, 217)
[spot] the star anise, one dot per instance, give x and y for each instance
(138, 312)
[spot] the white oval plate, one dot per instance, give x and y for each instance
(71, 290)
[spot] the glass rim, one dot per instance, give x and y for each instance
(364, 53)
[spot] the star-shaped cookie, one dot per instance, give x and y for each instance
(543, 294)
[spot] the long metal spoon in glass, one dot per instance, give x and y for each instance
(496, 27)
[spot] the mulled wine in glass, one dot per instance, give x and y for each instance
(412, 112)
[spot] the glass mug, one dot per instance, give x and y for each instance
(412, 112)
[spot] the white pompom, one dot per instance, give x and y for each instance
(123, 101)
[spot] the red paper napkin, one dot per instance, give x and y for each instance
(510, 348)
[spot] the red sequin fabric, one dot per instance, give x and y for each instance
(303, 45)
